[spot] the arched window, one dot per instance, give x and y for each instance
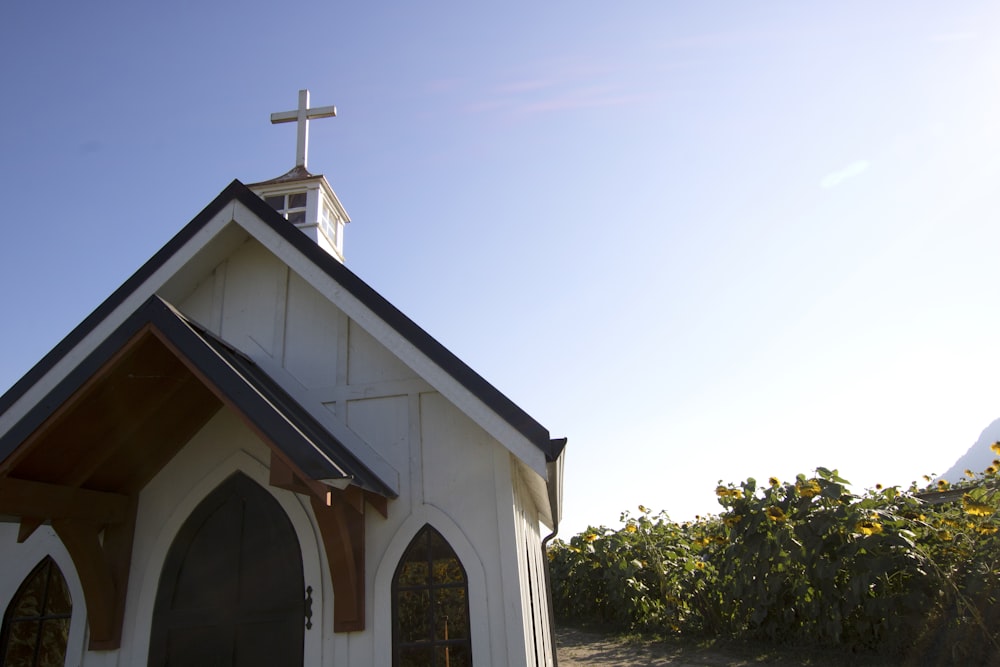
(430, 606)
(36, 624)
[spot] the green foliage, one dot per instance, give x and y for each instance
(806, 562)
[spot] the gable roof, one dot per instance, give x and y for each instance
(163, 376)
(471, 381)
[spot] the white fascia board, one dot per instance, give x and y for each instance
(421, 364)
(538, 489)
(114, 319)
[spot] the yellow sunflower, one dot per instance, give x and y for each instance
(809, 488)
(996, 447)
(869, 527)
(776, 514)
(974, 508)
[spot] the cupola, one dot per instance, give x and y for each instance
(306, 200)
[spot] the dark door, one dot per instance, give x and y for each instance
(231, 590)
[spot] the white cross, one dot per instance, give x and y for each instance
(302, 116)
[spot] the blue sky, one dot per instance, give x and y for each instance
(702, 240)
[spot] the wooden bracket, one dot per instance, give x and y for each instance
(340, 516)
(103, 567)
(28, 525)
(20, 497)
(342, 529)
(80, 517)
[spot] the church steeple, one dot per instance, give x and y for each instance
(304, 199)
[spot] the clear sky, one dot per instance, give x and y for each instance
(702, 240)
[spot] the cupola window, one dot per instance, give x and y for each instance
(291, 206)
(329, 221)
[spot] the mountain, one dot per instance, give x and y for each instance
(979, 455)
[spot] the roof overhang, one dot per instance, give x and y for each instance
(156, 380)
(80, 456)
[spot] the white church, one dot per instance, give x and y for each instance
(246, 456)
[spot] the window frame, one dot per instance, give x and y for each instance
(287, 211)
(423, 540)
(48, 568)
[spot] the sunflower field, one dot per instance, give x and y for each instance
(804, 562)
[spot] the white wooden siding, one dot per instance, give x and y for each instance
(534, 592)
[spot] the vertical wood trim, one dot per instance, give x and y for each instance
(415, 450)
(281, 315)
(343, 349)
(218, 297)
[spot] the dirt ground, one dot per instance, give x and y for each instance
(577, 648)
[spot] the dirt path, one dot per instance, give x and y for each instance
(582, 649)
(577, 648)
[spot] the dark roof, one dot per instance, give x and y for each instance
(296, 173)
(232, 377)
(461, 372)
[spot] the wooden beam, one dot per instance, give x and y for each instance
(39, 500)
(343, 532)
(103, 568)
(117, 544)
(340, 516)
(284, 474)
(380, 503)
(28, 525)
(83, 543)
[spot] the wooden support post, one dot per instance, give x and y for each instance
(103, 569)
(341, 519)
(343, 532)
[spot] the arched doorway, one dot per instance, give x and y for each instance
(231, 590)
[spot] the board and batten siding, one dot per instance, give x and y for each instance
(450, 472)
